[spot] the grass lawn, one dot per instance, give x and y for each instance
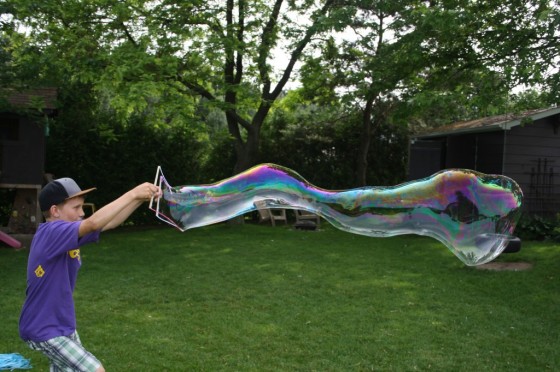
(258, 298)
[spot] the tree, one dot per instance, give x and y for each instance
(521, 39)
(167, 53)
(432, 52)
(373, 67)
(162, 56)
(321, 143)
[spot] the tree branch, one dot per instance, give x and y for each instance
(203, 92)
(127, 33)
(267, 40)
(296, 54)
(240, 31)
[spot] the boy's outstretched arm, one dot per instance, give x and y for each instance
(116, 212)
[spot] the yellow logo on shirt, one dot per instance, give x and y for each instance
(39, 272)
(75, 253)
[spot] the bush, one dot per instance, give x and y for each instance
(534, 227)
(97, 148)
(6, 205)
(324, 149)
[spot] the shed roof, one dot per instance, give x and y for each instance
(491, 123)
(24, 99)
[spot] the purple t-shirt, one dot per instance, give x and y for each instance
(52, 269)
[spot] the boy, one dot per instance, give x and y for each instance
(48, 321)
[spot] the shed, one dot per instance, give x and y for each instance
(23, 115)
(524, 147)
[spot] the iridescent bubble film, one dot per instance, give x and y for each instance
(473, 214)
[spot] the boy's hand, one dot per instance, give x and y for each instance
(147, 191)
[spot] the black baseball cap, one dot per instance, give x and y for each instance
(58, 191)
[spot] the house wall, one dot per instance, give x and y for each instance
(529, 154)
(477, 151)
(22, 150)
(426, 157)
(532, 159)
(482, 152)
(461, 151)
(489, 154)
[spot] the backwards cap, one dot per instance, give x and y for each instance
(58, 191)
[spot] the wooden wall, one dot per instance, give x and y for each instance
(529, 154)
(532, 159)
(425, 158)
(22, 150)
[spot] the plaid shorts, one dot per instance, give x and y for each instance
(66, 354)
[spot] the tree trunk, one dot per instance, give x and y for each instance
(365, 142)
(247, 152)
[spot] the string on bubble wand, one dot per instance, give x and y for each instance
(161, 181)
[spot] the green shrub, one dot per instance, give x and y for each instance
(535, 227)
(6, 204)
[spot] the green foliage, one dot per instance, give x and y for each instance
(174, 52)
(453, 95)
(446, 61)
(6, 199)
(529, 99)
(98, 148)
(172, 65)
(535, 227)
(220, 157)
(321, 143)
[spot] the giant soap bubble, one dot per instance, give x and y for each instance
(472, 213)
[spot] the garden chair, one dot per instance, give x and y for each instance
(272, 215)
(302, 215)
